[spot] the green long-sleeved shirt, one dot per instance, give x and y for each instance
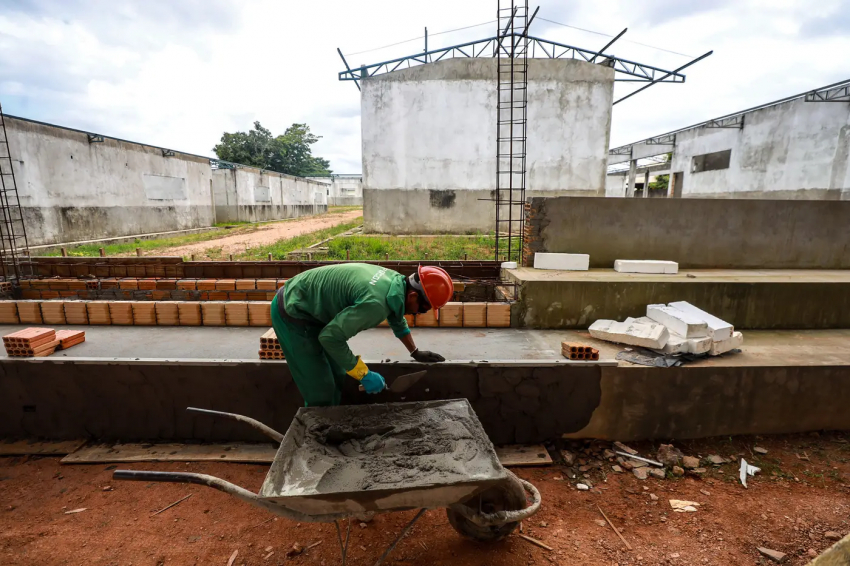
(347, 299)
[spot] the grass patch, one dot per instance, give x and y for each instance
(480, 247)
(344, 208)
(282, 247)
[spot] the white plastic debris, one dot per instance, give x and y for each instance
(581, 487)
(747, 470)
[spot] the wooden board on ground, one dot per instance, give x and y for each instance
(516, 455)
(30, 447)
(173, 452)
(523, 455)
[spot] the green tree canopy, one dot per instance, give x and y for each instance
(289, 153)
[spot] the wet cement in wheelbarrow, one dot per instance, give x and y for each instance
(378, 447)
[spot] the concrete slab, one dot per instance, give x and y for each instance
(757, 299)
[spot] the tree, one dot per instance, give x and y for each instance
(660, 183)
(289, 153)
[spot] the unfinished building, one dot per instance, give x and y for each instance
(794, 148)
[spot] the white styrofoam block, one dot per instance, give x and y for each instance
(679, 345)
(678, 322)
(509, 265)
(722, 346)
(645, 266)
(718, 329)
(569, 262)
(633, 333)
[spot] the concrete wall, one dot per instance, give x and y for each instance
(793, 150)
(432, 129)
(73, 190)
(343, 190)
(697, 233)
(253, 195)
(130, 400)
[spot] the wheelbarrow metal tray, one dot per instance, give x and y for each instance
(382, 457)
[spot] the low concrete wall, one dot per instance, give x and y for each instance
(138, 400)
(345, 201)
(697, 233)
(73, 190)
(522, 403)
(248, 194)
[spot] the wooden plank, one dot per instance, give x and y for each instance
(515, 455)
(523, 455)
(173, 452)
(39, 447)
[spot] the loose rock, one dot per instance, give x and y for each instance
(620, 446)
(677, 471)
(641, 473)
(690, 462)
(600, 522)
(653, 497)
(581, 487)
(295, 550)
(668, 455)
(832, 535)
(717, 460)
(656, 473)
(569, 457)
(774, 555)
(759, 450)
(617, 468)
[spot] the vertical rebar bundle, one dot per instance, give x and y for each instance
(511, 53)
(14, 249)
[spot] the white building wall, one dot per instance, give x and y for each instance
(342, 190)
(794, 150)
(248, 194)
(429, 141)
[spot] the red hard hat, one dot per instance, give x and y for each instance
(437, 285)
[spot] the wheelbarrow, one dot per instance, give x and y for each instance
(335, 463)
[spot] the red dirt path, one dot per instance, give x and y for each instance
(117, 528)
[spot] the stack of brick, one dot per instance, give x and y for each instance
(474, 315)
(270, 347)
(213, 313)
(189, 314)
(31, 342)
(68, 338)
(451, 315)
(98, 312)
(76, 312)
(498, 315)
(53, 312)
(9, 312)
(29, 312)
(236, 313)
(578, 351)
(259, 314)
(167, 313)
(144, 313)
(120, 312)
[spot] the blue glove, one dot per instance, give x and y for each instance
(372, 382)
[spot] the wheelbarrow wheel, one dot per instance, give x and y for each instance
(508, 496)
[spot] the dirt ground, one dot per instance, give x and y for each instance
(789, 507)
(264, 235)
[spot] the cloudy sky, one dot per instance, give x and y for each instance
(178, 73)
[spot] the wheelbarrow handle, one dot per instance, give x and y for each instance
(228, 488)
(265, 429)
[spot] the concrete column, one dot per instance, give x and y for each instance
(630, 191)
(646, 184)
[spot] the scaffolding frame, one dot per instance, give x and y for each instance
(14, 247)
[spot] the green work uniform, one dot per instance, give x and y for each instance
(331, 304)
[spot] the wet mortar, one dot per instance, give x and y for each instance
(348, 449)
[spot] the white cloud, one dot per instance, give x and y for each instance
(178, 74)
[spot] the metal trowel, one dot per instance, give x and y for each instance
(404, 382)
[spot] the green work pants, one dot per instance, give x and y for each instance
(318, 377)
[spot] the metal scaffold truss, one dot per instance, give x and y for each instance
(14, 249)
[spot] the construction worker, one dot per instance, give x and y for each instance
(318, 311)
